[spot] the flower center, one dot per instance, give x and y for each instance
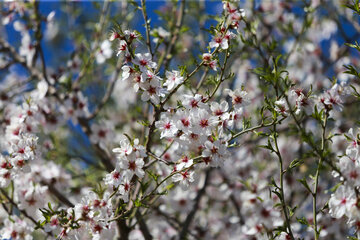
(167, 125)
(238, 100)
(102, 133)
(204, 123)
(132, 166)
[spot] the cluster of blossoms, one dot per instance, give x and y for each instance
(143, 78)
(201, 127)
(89, 219)
(142, 72)
(22, 164)
(333, 98)
(130, 162)
(197, 127)
(32, 191)
(344, 202)
(235, 14)
(75, 107)
(20, 141)
(16, 229)
(304, 102)
(186, 163)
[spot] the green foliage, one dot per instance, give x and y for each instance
(354, 6)
(305, 184)
(352, 71)
(295, 163)
(303, 221)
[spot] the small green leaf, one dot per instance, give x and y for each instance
(303, 221)
(305, 184)
(296, 162)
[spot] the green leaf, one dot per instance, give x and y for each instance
(49, 205)
(303, 221)
(352, 70)
(355, 6)
(184, 29)
(170, 186)
(333, 189)
(305, 184)
(278, 205)
(292, 210)
(355, 93)
(356, 45)
(268, 146)
(273, 183)
(183, 70)
(138, 203)
(278, 194)
(296, 162)
(145, 123)
(153, 175)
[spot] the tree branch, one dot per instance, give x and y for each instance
(192, 213)
(147, 26)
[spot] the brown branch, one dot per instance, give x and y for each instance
(82, 73)
(172, 221)
(108, 93)
(143, 227)
(19, 59)
(202, 79)
(192, 213)
(166, 57)
(58, 195)
(123, 229)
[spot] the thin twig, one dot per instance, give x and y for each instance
(275, 121)
(147, 26)
(58, 195)
(202, 79)
(191, 215)
(281, 188)
(221, 78)
(315, 190)
(108, 93)
(82, 73)
(166, 57)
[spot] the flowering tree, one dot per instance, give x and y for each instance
(235, 125)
